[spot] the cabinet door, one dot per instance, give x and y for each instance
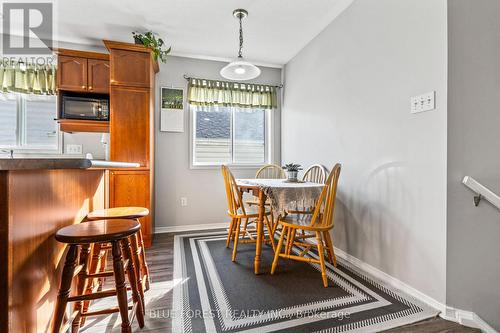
(98, 76)
(130, 125)
(72, 73)
(132, 189)
(131, 68)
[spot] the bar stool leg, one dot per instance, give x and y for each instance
(137, 262)
(144, 264)
(121, 289)
(131, 272)
(81, 286)
(65, 287)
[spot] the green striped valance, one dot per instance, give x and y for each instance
(209, 92)
(28, 79)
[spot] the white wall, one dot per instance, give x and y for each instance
(203, 188)
(347, 99)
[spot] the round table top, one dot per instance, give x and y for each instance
(118, 212)
(97, 231)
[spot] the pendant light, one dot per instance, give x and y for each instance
(240, 70)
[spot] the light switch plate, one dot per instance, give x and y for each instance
(424, 102)
(74, 149)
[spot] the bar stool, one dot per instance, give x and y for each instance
(98, 262)
(80, 237)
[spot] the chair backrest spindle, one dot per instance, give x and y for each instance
(316, 173)
(270, 171)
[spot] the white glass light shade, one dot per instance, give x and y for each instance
(240, 71)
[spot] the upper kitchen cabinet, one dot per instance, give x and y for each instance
(72, 73)
(98, 76)
(132, 66)
(81, 71)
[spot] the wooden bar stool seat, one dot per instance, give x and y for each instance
(118, 213)
(80, 237)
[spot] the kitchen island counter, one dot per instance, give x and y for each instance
(60, 163)
(37, 198)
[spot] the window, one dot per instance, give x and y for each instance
(230, 135)
(27, 123)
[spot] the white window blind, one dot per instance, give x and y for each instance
(8, 120)
(41, 128)
(229, 135)
(27, 122)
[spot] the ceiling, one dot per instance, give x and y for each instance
(274, 31)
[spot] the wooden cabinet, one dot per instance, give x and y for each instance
(131, 68)
(98, 76)
(83, 126)
(130, 125)
(81, 71)
(132, 188)
(72, 73)
(132, 128)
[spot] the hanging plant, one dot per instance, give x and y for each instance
(149, 40)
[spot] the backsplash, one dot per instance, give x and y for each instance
(89, 142)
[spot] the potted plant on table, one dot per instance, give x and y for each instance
(149, 40)
(292, 170)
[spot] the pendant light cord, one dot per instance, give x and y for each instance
(240, 53)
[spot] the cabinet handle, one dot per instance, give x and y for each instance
(83, 87)
(90, 87)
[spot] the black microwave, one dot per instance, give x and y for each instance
(90, 108)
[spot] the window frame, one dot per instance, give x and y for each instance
(269, 141)
(21, 147)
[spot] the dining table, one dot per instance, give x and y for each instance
(284, 196)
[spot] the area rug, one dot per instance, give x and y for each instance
(213, 294)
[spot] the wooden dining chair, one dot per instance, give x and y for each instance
(316, 173)
(270, 171)
(238, 212)
(316, 225)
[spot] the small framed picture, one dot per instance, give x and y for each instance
(172, 110)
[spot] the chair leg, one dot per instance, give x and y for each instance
(321, 256)
(278, 249)
(236, 237)
(271, 235)
(144, 264)
(121, 288)
(288, 235)
(329, 244)
(96, 262)
(134, 283)
(64, 289)
(290, 240)
(245, 227)
(273, 224)
(135, 257)
(230, 232)
(81, 286)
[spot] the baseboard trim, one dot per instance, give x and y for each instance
(191, 227)
(466, 318)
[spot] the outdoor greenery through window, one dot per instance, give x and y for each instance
(27, 122)
(229, 135)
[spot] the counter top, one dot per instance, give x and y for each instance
(60, 163)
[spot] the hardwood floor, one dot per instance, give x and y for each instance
(160, 260)
(159, 299)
